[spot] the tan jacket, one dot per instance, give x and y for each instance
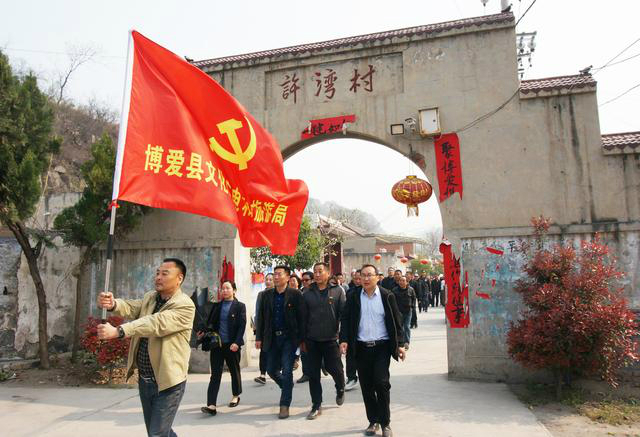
(168, 331)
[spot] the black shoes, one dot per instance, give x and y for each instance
(284, 412)
(386, 431)
(372, 429)
(234, 403)
(260, 380)
(340, 398)
(210, 411)
(303, 378)
(314, 413)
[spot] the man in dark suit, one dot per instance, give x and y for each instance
(371, 325)
(435, 291)
(390, 281)
(280, 330)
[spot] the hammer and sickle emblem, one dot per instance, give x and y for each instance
(239, 156)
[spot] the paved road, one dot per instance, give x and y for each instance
(423, 403)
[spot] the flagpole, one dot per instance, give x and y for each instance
(122, 136)
(107, 270)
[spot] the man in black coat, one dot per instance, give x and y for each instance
(435, 291)
(404, 298)
(371, 326)
(280, 330)
(389, 282)
(324, 307)
(352, 370)
(426, 292)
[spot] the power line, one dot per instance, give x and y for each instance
(619, 62)
(47, 52)
(617, 97)
(525, 12)
(616, 56)
(488, 114)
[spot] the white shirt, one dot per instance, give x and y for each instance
(372, 326)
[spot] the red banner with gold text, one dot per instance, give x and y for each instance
(188, 145)
(447, 148)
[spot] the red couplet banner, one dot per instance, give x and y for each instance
(447, 148)
(457, 307)
(188, 145)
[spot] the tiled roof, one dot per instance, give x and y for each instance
(620, 141)
(557, 83)
(362, 39)
(396, 239)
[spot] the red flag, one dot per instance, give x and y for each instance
(447, 148)
(186, 144)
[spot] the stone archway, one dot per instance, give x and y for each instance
(527, 148)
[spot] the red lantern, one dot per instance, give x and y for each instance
(424, 262)
(411, 191)
(403, 260)
(377, 257)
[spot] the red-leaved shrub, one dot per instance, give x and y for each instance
(108, 353)
(576, 322)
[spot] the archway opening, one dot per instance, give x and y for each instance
(350, 181)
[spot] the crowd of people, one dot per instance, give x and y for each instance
(313, 319)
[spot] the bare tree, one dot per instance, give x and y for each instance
(77, 55)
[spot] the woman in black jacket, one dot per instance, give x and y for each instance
(228, 318)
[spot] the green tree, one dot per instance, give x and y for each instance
(26, 147)
(86, 224)
(433, 268)
(311, 248)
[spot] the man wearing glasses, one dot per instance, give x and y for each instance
(279, 331)
(371, 326)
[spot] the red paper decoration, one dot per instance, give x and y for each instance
(411, 191)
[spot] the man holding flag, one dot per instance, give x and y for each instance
(185, 144)
(160, 330)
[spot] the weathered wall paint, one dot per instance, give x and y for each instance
(484, 341)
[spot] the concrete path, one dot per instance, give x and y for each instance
(423, 403)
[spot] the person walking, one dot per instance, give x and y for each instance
(435, 291)
(424, 299)
(352, 370)
(371, 326)
(341, 283)
(389, 282)
(280, 330)
(415, 284)
(307, 280)
(262, 360)
(404, 295)
(324, 306)
(228, 318)
(160, 331)
(443, 290)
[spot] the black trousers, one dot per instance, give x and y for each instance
(373, 370)
(317, 351)
(436, 298)
(217, 358)
(352, 368)
(262, 362)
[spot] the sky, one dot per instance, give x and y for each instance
(571, 35)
